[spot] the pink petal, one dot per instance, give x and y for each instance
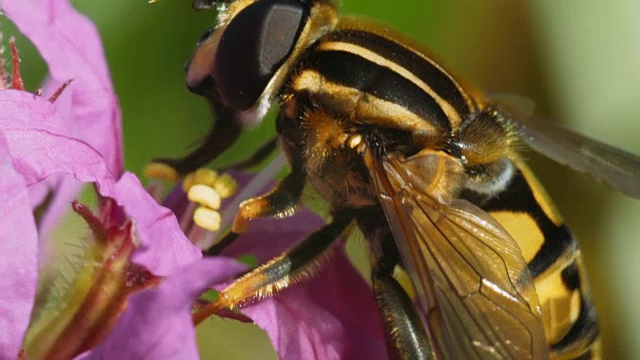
(19, 264)
(157, 323)
(333, 316)
(268, 238)
(71, 46)
(163, 247)
(40, 146)
(59, 189)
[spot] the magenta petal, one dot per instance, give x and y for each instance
(333, 316)
(19, 262)
(40, 146)
(63, 188)
(157, 323)
(71, 46)
(163, 247)
(268, 238)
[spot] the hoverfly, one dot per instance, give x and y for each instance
(423, 163)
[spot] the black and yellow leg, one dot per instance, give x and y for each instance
(295, 265)
(279, 202)
(227, 239)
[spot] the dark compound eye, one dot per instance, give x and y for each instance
(253, 47)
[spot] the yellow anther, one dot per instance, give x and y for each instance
(207, 219)
(201, 176)
(404, 280)
(205, 176)
(160, 171)
(225, 185)
(204, 195)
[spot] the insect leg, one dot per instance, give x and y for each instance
(224, 133)
(295, 265)
(279, 202)
(406, 336)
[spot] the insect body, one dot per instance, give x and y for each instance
(423, 164)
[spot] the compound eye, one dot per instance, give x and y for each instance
(252, 48)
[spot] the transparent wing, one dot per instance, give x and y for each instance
(471, 279)
(616, 168)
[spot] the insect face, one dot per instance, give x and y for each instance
(242, 62)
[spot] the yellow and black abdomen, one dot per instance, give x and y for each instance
(553, 258)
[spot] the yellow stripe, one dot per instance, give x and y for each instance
(524, 230)
(560, 306)
(541, 196)
(361, 107)
(473, 96)
(452, 114)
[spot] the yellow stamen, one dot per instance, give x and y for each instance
(202, 176)
(160, 171)
(204, 195)
(225, 185)
(205, 176)
(207, 219)
(403, 279)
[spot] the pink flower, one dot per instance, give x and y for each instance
(118, 306)
(48, 152)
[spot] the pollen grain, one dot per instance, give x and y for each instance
(225, 185)
(204, 195)
(207, 218)
(160, 171)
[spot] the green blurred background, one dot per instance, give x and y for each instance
(579, 59)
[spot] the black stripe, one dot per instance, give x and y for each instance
(439, 81)
(356, 72)
(557, 239)
(586, 356)
(586, 325)
(518, 197)
(571, 276)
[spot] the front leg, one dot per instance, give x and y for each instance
(220, 138)
(279, 202)
(295, 265)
